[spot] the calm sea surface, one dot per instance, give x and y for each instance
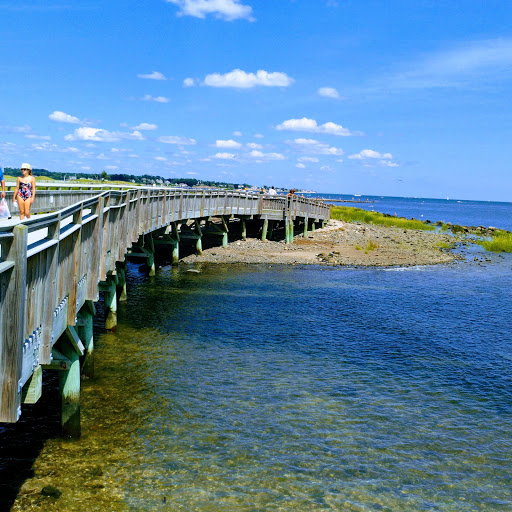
(290, 388)
(466, 213)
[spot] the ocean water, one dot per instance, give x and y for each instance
(463, 212)
(254, 388)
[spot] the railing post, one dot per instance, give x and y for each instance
(11, 346)
(52, 256)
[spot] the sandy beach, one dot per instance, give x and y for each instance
(339, 243)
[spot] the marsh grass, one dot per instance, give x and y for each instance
(501, 242)
(351, 214)
(445, 245)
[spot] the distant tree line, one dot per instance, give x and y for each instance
(145, 179)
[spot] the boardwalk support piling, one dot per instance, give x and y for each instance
(85, 332)
(121, 280)
(110, 288)
(264, 230)
(69, 383)
(243, 223)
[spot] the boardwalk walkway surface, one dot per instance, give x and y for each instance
(53, 266)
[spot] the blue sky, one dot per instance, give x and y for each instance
(405, 98)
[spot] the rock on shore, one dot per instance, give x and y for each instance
(339, 243)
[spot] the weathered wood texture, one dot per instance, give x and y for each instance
(50, 265)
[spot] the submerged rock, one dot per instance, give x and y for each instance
(50, 490)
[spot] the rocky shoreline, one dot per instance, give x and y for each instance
(340, 243)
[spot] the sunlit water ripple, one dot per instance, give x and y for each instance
(255, 388)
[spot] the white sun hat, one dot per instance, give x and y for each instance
(26, 166)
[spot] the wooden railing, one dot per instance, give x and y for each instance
(51, 264)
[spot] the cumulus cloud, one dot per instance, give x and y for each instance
(301, 166)
(227, 144)
(156, 75)
(160, 158)
(242, 80)
(308, 159)
(310, 125)
(158, 99)
(228, 10)
(259, 136)
(370, 153)
(254, 145)
(174, 139)
(316, 147)
(266, 156)
(237, 134)
(224, 156)
(328, 92)
(99, 135)
(62, 117)
(189, 82)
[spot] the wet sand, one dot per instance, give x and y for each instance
(339, 243)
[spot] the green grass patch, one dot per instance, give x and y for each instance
(444, 245)
(501, 242)
(358, 248)
(351, 214)
(371, 246)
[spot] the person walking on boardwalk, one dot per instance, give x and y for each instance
(25, 191)
(2, 179)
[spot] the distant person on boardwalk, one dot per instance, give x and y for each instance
(2, 179)
(291, 193)
(272, 191)
(25, 191)
(263, 191)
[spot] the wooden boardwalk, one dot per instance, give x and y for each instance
(53, 266)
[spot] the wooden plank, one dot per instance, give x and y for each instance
(75, 340)
(33, 389)
(11, 344)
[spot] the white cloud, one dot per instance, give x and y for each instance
(156, 75)
(174, 139)
(62, 117)
(259, 136)
(100, 135)
(111, 167)
(145, 126)
(242, 80)
(227, 144)
(316, 147)
(228, 10)
(328, 92)
(37, 137)
(301, 166)
(310, 125)
(253, 145)
(488, 60)
(189, 82)
(224, 156)
(266, 156)
(158, 99)
(237, 134)
(308, 159)
(160, 158)
(370, 153)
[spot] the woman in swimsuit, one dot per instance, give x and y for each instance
(25, 191)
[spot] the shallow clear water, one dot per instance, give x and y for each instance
(252, 388)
